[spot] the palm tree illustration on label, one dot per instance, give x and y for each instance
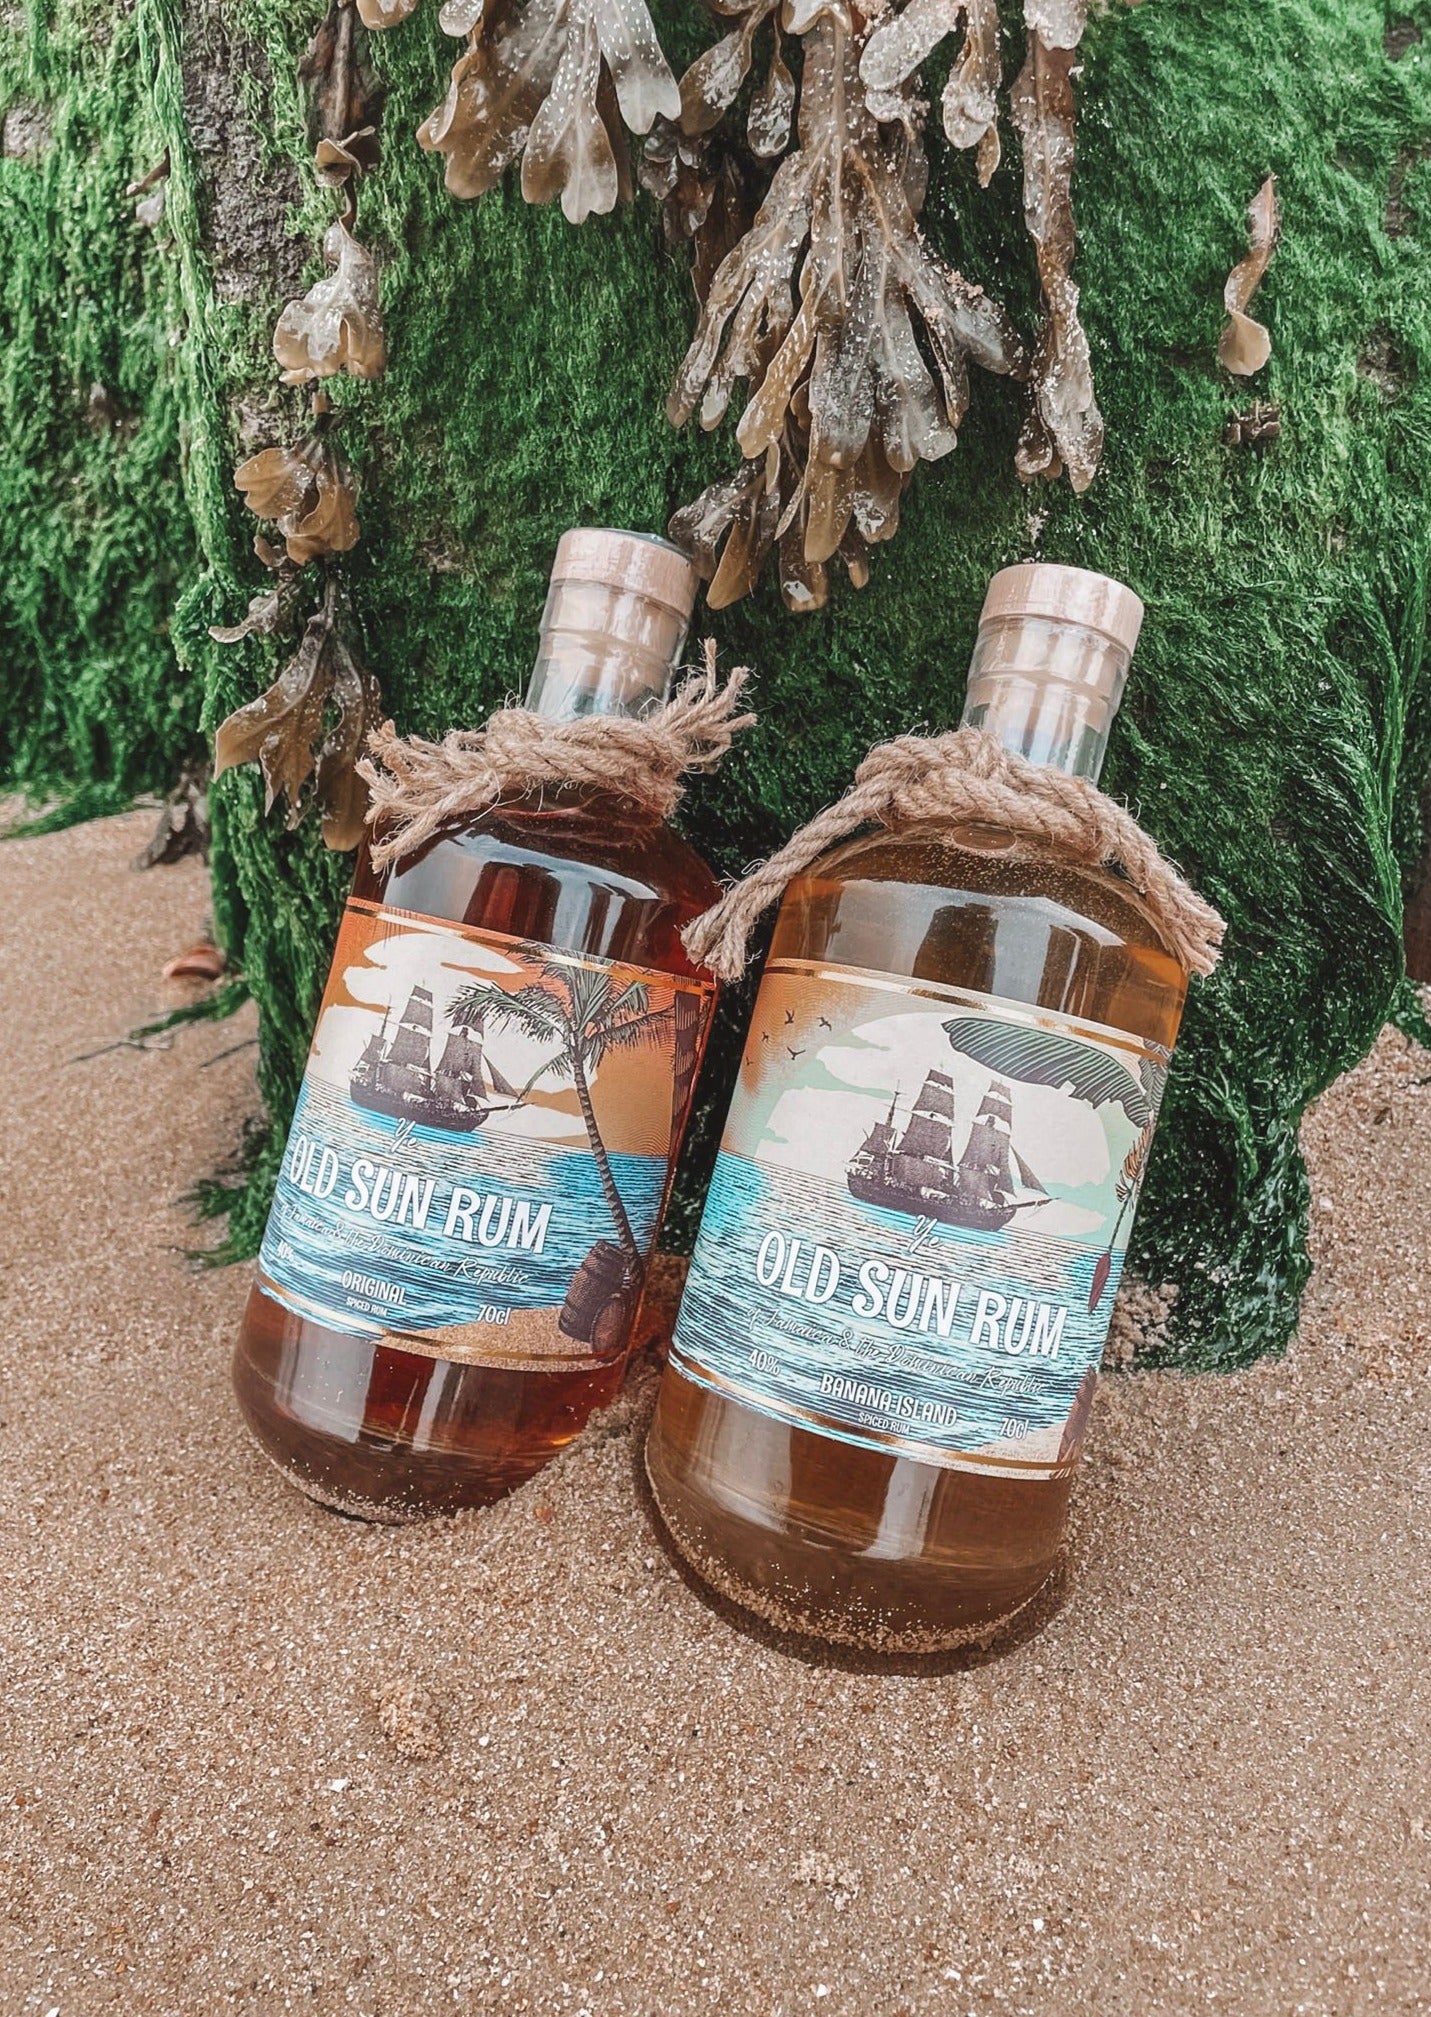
(584, 1014)
(1083, 1071)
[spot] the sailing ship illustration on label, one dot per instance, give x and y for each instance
(912, 1169)
(477, 1163)
(396, 1075)
(927, 1273)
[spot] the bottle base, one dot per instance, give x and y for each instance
(390, 1486)
(395, 1437)
(352, 1505)
(851, 1618)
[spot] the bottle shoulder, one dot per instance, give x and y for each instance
(581, 872)
(977, 908)
(983, 861)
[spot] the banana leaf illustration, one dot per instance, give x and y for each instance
(1044, 1058)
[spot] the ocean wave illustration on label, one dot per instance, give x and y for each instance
(481, 1147)
(917, 1221)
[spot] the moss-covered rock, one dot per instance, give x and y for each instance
(95, 538)
(1275, 736)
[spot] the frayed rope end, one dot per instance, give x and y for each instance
(416, 786)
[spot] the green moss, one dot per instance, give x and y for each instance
(1276, 735)
(95, 541)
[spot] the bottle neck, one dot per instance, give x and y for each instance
(603, 650)
(1046, 689)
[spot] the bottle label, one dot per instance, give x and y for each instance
(918, 1217)
(482, 1145)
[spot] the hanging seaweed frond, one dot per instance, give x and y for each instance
(1245, 344)
(1064, 429)
(338, 324)
(969, 110)
(308, 491)
(312, 723)
(313, 720)
(851, 334)
(970, 105)
(273, 610)
(552, 83)
(711, 85)
(338, 163)
(183, 827)
(705, 189)
(339, 88)
(821, 309)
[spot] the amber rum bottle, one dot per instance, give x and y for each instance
(495, 1095)
(887, 1348)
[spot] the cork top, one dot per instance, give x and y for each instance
(1066, 595)
(635, 563)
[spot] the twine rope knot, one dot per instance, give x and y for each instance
(416, 786)
(966, 777)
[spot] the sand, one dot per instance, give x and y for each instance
(256, 1757)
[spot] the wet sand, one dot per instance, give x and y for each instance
(255, 1757)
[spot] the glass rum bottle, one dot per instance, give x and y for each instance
(495, 1095)
(886, 1351)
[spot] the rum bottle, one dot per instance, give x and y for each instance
(495, 1095)
(886, 1352)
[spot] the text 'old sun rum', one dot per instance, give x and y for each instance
(492, 1107)
(887, 1348)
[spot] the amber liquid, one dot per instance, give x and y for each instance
(817, 1535)
(390, 1434)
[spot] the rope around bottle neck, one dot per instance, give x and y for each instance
(417, 786)
(956, 779)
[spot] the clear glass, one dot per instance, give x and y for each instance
(817, 1535)
(1047, 689)
(604, 650)
(390, 1434)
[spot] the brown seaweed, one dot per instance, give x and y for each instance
(338, 324)
(1064, 429)
(820, 309)
(337, 163)
(703, 186)
(271, 611)
(1058, 24)
(312, 723)
(341, 92)
(462, 17)
(149, 189)
(1245, 345)
(552, 83)
(381, 14)
(902, 41)
(182, 828)
(308, 491)
(709, 88)
(969, 108)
